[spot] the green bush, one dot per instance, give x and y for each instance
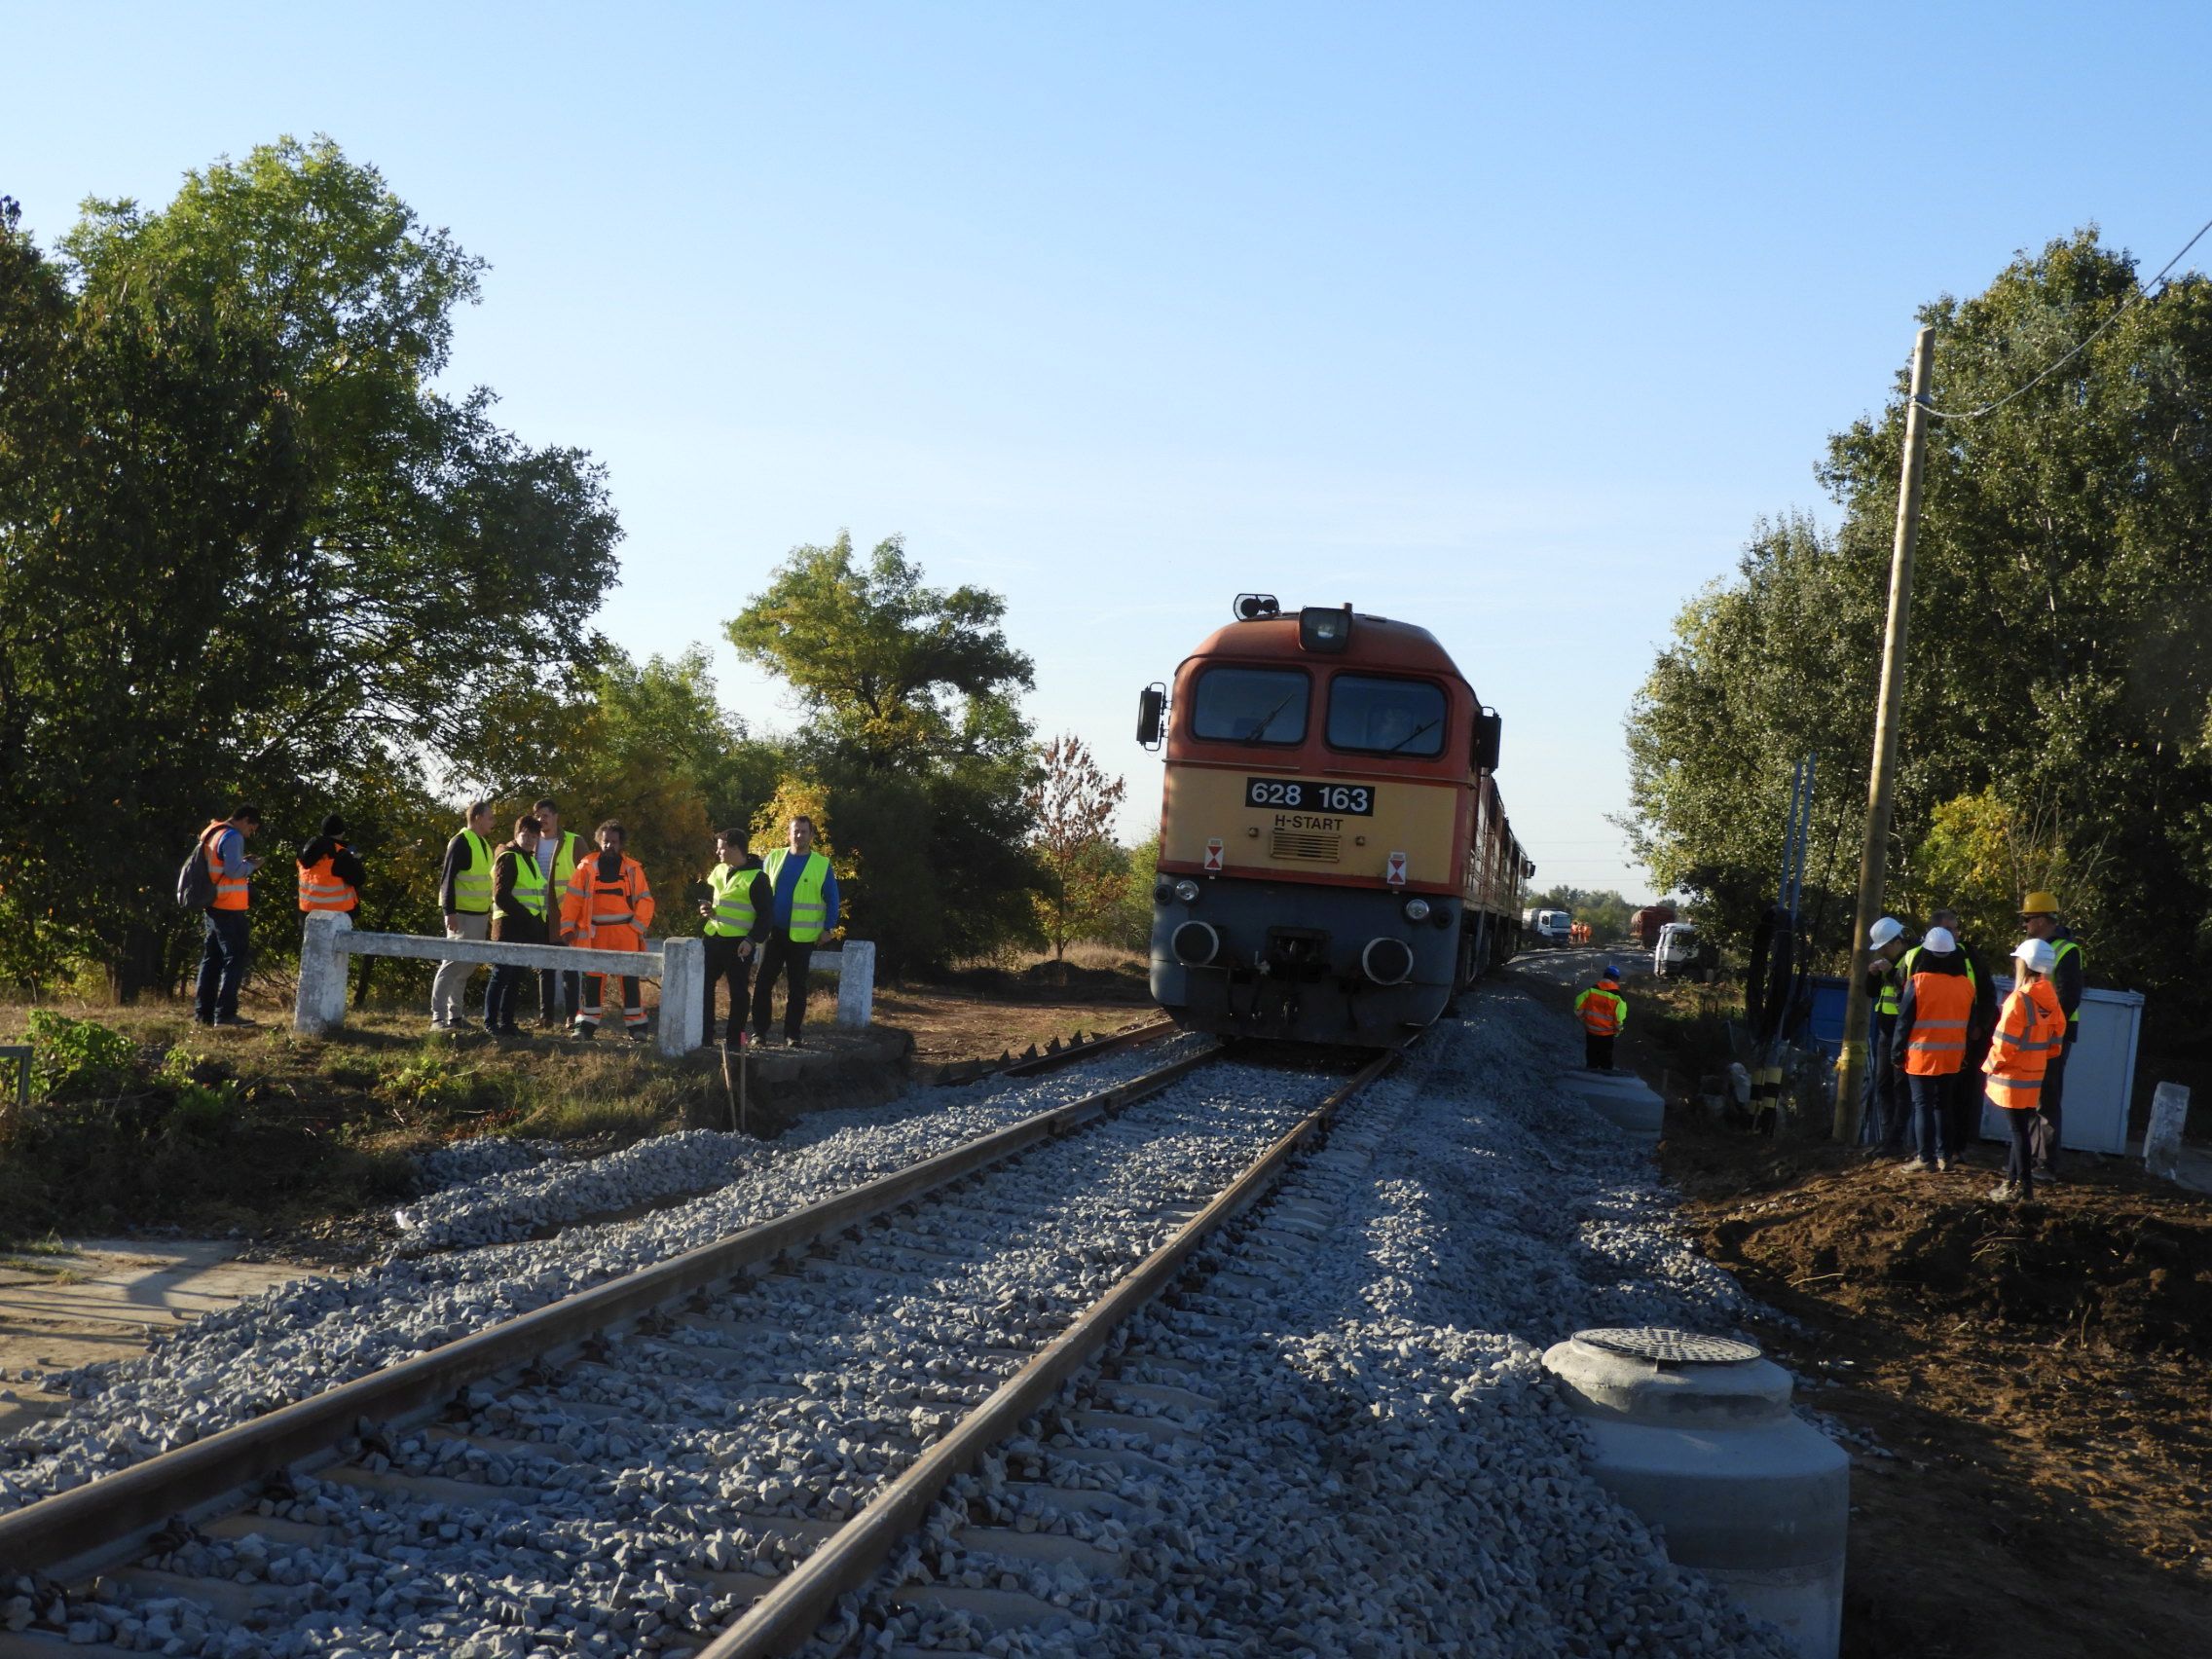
(78, 1058)
(434, 1082)
(207, 1096)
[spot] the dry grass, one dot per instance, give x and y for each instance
(289, 1128)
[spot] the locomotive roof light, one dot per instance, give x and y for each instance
(1252, 606)
(1321, 629)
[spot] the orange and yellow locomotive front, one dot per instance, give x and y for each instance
(1317, 832)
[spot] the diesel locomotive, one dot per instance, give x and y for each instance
(1335, 861)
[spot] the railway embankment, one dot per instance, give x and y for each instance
(1337, 1429)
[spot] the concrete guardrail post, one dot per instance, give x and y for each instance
(855, 983)
(319, 1009)
(683, 981)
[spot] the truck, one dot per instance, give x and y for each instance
(1546, 927)
(1643, 927)
(1681, 952)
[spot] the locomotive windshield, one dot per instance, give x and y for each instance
(1250, 704)
(1385, 717)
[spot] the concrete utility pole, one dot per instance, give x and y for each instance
(1875, 852)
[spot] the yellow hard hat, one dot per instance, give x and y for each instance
(2040, 904)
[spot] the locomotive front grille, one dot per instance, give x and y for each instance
(1312, 846)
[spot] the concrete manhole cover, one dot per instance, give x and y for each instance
(1664, 1347)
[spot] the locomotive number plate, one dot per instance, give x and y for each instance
(1353, 800)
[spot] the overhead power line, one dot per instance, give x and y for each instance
(2080, 346)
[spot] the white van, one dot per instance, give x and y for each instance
(1676, 951)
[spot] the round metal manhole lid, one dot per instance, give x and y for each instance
(1664, 1347)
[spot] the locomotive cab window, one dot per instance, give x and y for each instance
(1385, 717)
(1250, 704)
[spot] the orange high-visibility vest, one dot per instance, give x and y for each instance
(1601, 1010)
(2031, 1028)
(1940, 1004)
(231, 891)
(321, 887)
(607, 915)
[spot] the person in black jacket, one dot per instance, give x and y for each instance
(737, 919)
(513, 922)
(318, 885)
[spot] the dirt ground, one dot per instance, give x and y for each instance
(2026, 1395)
(979, 1016)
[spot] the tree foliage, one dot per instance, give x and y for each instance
(1605, 911)
(914, 746)
(1071, 808)
(2057, 716)
(890, 672)
(245, 546)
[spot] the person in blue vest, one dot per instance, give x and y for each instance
(804, 908)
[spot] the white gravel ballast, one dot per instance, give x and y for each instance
(1356, 1450)
(1336, 1439)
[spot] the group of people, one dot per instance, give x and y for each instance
(1941, 1043)
(543, 886)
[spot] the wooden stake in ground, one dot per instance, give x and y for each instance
(1874, 851)
(733, 1089)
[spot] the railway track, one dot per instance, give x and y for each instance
(724, 1442)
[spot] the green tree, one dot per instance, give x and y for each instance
(914, 742)
(2058, 689)
(1606, 912)
(1071, 809)
(246, 548)
(649, 742)
(896, 674)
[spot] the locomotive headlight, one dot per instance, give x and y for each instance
(1416, 910)
(1187, 890)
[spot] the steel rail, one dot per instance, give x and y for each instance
(108, 1511)
(790, 1613)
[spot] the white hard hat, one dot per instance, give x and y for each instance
(1882, 932)
(1938, 942)
(2036, 953)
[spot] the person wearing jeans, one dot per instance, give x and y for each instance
(227, 944)
(1934, 1012)
(805, 891)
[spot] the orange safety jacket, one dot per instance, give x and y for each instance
(2029, 1031)
(1935, 1040)
(1602, 1008)
(321, 888)
(231, 891)
(607, 915)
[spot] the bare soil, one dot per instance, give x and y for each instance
(2026, 1391)
(2033, 1380)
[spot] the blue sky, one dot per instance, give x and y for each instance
(1504, 322)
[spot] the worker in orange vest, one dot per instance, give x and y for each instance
(1603, 1011)
(1930, 1036)
(2030, 1029)
(607, 907)
(224, 952)
(331, 874)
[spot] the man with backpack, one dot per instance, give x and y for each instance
(216, 880)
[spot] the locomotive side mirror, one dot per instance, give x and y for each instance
(1152, 704)
(1489, 728)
